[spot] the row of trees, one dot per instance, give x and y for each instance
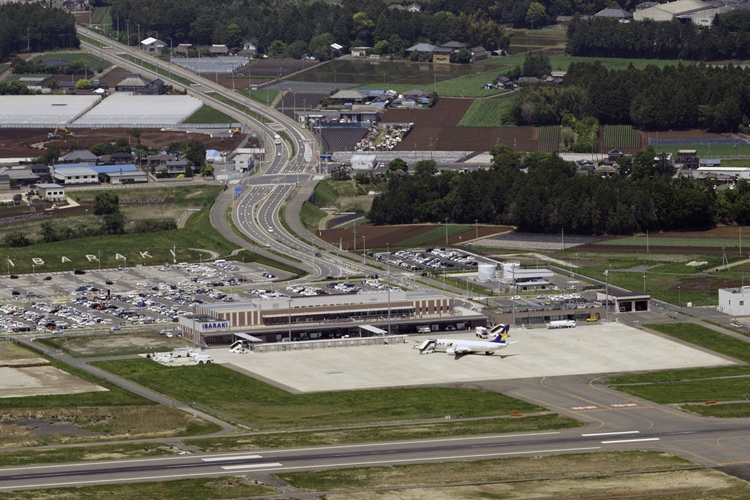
(727, 38)
(31, 27)
(295, 29)
(673, 97)
(539, 192)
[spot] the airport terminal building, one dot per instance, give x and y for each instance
(326, 316)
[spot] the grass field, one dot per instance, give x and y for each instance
(549, 138)
(696, 385)
(80, 453)
(94, 63)
(263, 96)
(207, 114)
(671, 242)
(310, 215)
(384, 433)
(462, 86)
(621, 136)
(98, 345)
(100, 15)
(213, 488)
(710, 151)
(328, 191)
(484, 113)
(239, 106)
(269, 407)
(481, 471)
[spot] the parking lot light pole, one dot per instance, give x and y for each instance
(388, 264)
(476, 222)
(100, 259)
(446, 231)
(606, 298)
(364, 249)
(679, 299)
(289, 301)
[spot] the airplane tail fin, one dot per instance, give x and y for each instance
(502, 335)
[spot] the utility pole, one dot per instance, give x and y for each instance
(446, 230)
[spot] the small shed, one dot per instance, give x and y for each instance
(360, 51)
(151, 44)
(50, 192)
(364, 162)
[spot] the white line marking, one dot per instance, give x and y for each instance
(610, 433)
(630, 440)
(250, 466)
(183, 475)
(236, 457)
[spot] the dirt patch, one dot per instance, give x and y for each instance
(18, 142)
(194, 195)
(41, 380)
(380, 236)
(691, 484)
(102, 344)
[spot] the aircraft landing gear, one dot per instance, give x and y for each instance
(489, 353)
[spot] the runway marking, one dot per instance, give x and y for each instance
(630, 440)
(251, 466)
(583, 407)
(610, 433)
(233, 457)
(623, 405)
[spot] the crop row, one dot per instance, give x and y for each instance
(621, 136)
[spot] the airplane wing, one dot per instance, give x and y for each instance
(462, 349)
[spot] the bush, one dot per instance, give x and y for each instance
(16, 240)
(152, 225)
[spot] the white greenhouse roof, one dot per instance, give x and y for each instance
(44, 111)
(124, 110)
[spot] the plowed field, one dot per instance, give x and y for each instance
(437, 129)
(381, 236)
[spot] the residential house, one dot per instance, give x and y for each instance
(58, 64)
(479, 53)
(563, 21)
(4, 183)
(620, 14)
(605, 170)
(414, 7)
(155, 87)
(40, 169)
(218, 50)
(116, 159)
(687, 158)
(152, 45)
(80, 156)
(74, 174)
(441, 55)
(131, 84)
(183, 49)
(505, 82)
(249, 48)
(20, 176)
(422, 48)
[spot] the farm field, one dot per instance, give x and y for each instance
(94, 63)
(412, 235)
(622, 137)
(710, 150)
(549, 138)
(484, 113)
(101, 15)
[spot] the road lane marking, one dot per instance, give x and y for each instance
(251, 466)
(610, 433)
(234, 457)
(630, 440)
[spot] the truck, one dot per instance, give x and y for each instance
(482, 332)
(179, 352)
(276, 139)
(203, 359)
(563, 323)
(424, 329)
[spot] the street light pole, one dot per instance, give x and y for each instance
(740, 241)
(446, 230)
(388, 264)
(100, 259)
(289, 300)
(476, 222)
(679, 299)
(606, 298)
(364, 249)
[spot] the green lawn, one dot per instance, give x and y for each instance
(710, 151)
(263, 96)
(462, 86)
(641, 240)
(310, 215)
(207, 114)
(730, 383)
(94, 63)
(485, 113)
(268, 407)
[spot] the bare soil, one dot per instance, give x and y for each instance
(16, 143)
(379, 236)
(693, 484)
(41, 380)
(102, 344)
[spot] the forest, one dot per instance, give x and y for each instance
(539, 192)
(30, 26)
(726, 39)
(674, 97)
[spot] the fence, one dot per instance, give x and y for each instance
(302, 345)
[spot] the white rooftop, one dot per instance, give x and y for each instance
(124, 110)
(44, 111)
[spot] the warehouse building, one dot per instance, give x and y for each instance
(326, 316)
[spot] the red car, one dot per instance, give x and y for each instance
(47, 278)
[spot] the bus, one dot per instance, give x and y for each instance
(276, 139)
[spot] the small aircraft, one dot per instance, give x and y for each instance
(462, 347)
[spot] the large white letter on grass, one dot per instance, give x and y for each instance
(10, 262)
(65, 259)
(92, 258)
(37, 261)
(118, 257)
(145, 254)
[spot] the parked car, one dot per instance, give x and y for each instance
(47, 278)
(79, 271)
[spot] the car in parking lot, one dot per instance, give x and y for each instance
(15, 292)
(14, 276)
(79, 271)
(109, 282)
(47, 278)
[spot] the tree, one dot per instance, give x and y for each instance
(107, 202)
(175, 148)
(83, 84)
(397, 164)
(113, 223)
(277, 48)
(16, 240)
(535, 14)
(195, 152)
(135, 133)
(425, 167)
(234, 35)
(122, 145)
(207, 170)
(296, 50)
(463, 56)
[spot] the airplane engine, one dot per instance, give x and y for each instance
(450, 350)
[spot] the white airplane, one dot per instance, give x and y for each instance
(462, 347)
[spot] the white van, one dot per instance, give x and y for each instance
(179, 352)
(424, 329)
(219, 262)
(203, 359)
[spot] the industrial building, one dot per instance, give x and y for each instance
(326, 316)
(526, 279)
(735, 301)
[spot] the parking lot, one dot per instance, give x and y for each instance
(146, 297)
